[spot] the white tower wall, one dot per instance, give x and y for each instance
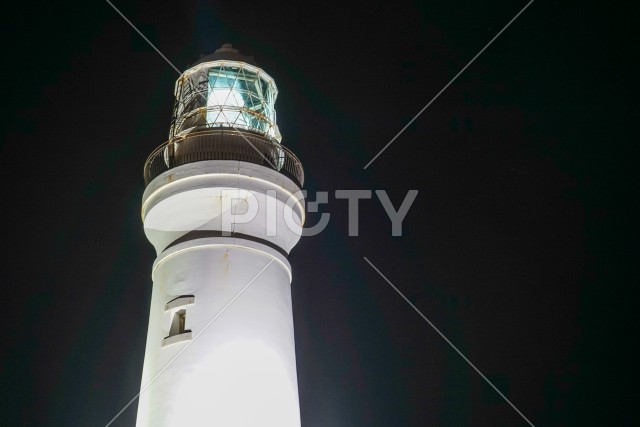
(234, 364)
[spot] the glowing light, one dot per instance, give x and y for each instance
(227, 105)
(237, 95)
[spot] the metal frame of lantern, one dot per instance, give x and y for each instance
(197, 106)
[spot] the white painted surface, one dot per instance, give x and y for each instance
(240, 370)
(198, 196)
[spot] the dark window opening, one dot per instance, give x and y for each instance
(178, 324)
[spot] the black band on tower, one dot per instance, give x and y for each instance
(202, 234)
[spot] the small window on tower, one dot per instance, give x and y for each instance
(178, 323)
(178, 331)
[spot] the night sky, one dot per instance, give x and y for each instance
(522, 245)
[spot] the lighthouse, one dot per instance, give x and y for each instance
(223, 208)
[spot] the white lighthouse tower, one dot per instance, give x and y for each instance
(222, 207)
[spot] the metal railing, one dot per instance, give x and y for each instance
(223, 144)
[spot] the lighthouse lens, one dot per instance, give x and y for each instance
(226, 94)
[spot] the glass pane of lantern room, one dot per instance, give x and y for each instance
(224, 100)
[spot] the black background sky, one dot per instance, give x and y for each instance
(521, 246)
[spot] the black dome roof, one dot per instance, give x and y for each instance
(227, 52)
